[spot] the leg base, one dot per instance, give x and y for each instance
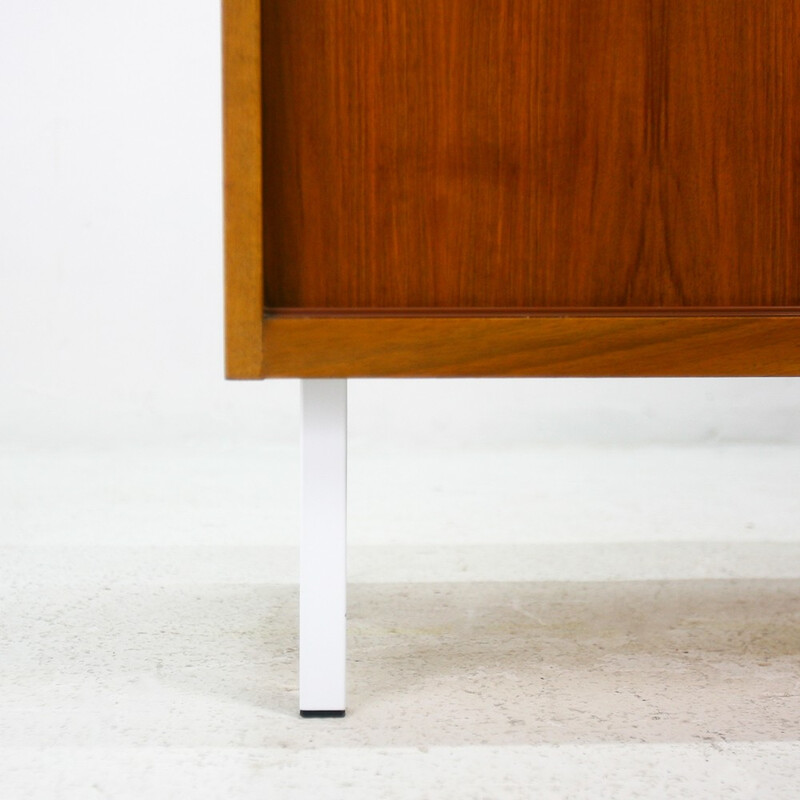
(321, 713)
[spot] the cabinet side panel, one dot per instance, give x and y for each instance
(244, 285)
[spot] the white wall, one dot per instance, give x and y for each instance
(111, 274)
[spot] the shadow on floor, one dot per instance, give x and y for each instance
(429, 664)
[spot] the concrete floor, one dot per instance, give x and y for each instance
(565, 622)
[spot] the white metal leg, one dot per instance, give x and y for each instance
(323, 570)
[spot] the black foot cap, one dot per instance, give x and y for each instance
(322, 713)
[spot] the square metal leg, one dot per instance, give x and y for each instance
(323, 566)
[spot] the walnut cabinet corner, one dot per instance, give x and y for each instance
(512, 187)
(500, 188)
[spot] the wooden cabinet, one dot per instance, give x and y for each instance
(512, 187)
(499, 188)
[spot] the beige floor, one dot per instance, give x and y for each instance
(552, 622)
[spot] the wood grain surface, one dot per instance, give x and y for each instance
(512, 187)
(531, 153)
(244, 245)
(568, 346)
